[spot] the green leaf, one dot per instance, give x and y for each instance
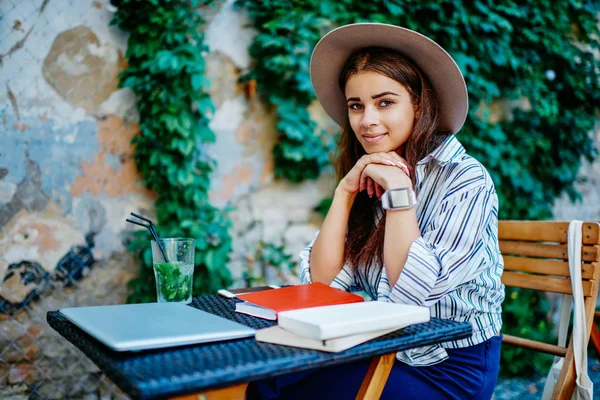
(199, 81)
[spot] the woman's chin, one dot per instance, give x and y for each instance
(377, 148)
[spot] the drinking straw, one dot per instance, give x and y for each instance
(150, 227)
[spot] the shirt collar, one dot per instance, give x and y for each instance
(446, 153)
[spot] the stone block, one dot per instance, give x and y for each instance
(10, 330)
(35, 330)
(15, 392)
(21, 352)
(241, 216)
(292, 202)
(296, 237)
(3, 375)
(81, 70)
(24, 372)
(52, 390)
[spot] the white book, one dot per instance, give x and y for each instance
(278, 335)
(255, 310)
(329, 322)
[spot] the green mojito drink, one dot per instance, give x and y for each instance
(174, 281)
(173, 261)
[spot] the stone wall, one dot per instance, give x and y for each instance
(68, 180)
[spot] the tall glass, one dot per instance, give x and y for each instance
(174, 277)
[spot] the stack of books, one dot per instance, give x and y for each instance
(316, 316)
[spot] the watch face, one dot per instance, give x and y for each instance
(399, 198)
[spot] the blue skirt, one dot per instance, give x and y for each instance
(468, 373)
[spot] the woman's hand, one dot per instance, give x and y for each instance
(375, 188)
(351, 182)
(379, 178)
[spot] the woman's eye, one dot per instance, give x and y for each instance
(386, 103)
(355, 106)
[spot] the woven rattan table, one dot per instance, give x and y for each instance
(222, 370)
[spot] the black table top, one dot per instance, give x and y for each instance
(195, 368)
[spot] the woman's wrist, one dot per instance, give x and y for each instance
(343, 194)
(397, 182)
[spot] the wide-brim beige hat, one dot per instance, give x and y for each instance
(435, 63)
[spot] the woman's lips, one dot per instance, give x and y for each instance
(373, 138)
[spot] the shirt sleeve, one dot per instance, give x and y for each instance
(345, 280)
(455, 247)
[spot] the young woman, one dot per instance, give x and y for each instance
(414, 219)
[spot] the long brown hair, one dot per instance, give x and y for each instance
(364, 244)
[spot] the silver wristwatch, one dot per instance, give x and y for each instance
(398, 199)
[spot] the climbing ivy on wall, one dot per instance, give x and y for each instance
(287, 33)
(524, 53)
(535, 55)
(166, 71)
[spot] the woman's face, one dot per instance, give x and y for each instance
(380, 110)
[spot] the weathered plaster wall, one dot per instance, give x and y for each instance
(266, 210)
(68, 180)
(65, 156)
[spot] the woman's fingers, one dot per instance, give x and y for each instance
(378, 158)
(360, 182)
(398, 159)
(363, 181)
(357, 180)
(369, 184)
(378, 191)
(400, 162)
(396, 156)
(370, 187)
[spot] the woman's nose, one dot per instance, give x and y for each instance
(370, 118)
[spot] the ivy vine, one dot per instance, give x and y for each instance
(537, 56)
(282, 50)
(166, 71)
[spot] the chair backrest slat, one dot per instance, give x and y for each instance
(534, 231)
(545, 231)
(546, 267)
(546, 250)
(545, 283)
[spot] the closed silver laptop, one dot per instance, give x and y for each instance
(130, 327)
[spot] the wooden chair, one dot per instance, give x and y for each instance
(535, 257)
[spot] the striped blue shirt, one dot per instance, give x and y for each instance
(455, 267)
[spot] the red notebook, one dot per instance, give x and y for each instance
(269, 303)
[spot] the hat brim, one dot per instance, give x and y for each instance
(435, 63)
